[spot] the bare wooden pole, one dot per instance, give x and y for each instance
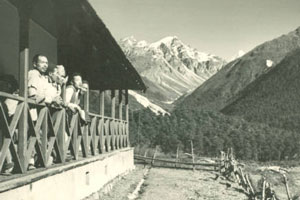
(193, 157)
(177, 152)
(154, 155)
(145, 155)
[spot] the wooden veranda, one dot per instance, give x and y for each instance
(70, 33)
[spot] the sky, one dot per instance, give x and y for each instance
(220, 27)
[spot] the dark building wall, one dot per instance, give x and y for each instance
(9, 39)
(41, 42)
(42, 31)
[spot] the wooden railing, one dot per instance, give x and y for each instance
(56, 134)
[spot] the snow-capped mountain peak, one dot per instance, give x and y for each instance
(172, 67)
(167, 41)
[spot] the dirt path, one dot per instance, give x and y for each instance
(165, 184)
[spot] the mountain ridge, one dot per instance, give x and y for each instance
(220, 89)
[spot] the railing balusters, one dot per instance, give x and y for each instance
(55, 132)
(61, 136)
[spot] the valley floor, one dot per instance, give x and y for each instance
(174, 184)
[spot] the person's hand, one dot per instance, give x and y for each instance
(39, 99)
(78, 108)
(66, 80)
(73, 107)
(58, 100)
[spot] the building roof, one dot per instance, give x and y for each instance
(86, 45)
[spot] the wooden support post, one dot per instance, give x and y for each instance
(193, 157)
(113, 122)
(86, 102)
(120, 124)
(177, 152)
(102, 137)
(75, 137)
(113, 104)
(127, 119)
(153, 157)
(44, 128)
(145, 155)
(120, 105)
(102, 95)
(85, 129)
(23, 122)
(61, 135)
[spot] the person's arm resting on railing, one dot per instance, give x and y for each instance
(69, 94)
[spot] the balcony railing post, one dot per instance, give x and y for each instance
(120, 124)
(102, 137)
(127, 119)
(85, 129)
(120, 104)
(112, 123)
(23, 122)
(86, 101)
(61, 135)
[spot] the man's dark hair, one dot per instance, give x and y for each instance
(71, 80)
(8, 83)
(35, 58)
(51, 68)
(75, 74)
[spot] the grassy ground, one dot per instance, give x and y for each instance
(173, 184)
(179, 184)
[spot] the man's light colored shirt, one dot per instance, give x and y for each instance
(53, 90)
(37, 84)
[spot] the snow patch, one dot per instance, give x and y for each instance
(269, 63)
(142, 43)
(147, 104)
